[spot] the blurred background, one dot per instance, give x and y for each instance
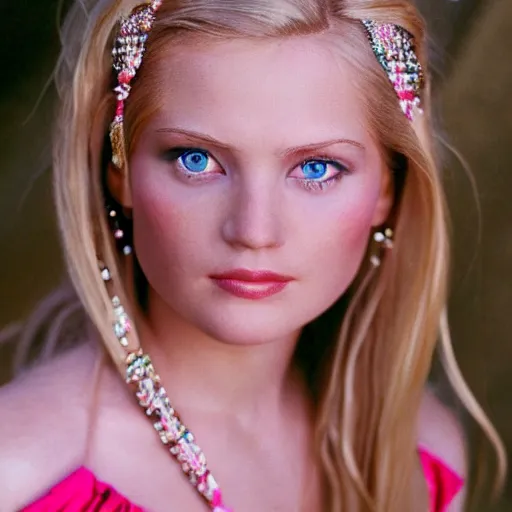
(471, 43)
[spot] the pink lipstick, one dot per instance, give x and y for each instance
(251, 284)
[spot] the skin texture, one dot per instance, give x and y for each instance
(225, 361)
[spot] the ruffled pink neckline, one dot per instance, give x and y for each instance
(442, 481)
(83, 492)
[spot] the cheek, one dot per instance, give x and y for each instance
(166, 233)
(338, 244)
(344, 239)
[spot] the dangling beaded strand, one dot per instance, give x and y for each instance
(141, 376)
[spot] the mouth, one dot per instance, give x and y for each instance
(251, 284)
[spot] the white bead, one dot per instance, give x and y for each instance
(379, 237)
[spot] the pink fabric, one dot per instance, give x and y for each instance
(443, 483)
(82, 492)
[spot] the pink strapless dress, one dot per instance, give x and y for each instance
(82, 492)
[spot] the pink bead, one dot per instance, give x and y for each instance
(217, 498)
(119, 108)
(125, 76)
(217, 502)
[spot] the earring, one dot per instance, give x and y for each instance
(122, 232)
(122, 325)
(384, 240)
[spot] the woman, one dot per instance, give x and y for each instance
(264, 217)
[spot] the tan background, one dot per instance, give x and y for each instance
(472, 56)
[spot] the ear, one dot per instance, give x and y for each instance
(118, 183)
(117, 178)
(386, 198)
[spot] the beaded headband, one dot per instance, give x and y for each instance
(394, 48)
(392, 45)
(127, 54)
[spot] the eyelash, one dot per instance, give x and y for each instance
(173, 154)
(311, 185)
(319, 186)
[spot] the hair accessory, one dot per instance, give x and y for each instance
(127, 53)
(394, 48)
(142, 378)
(384, 239)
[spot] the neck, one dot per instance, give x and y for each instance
(203, 373)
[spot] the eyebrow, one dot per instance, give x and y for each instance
(296, 149)
(195, 135)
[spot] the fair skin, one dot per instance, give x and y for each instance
(226, 361)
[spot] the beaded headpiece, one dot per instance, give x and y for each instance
(394, 48)
(127, 54)
(392, 45)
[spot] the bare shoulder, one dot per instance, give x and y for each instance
(441, 433)
(43, 426)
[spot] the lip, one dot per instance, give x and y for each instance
(251, 284)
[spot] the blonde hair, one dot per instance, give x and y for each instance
(381, 351)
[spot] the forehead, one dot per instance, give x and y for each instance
(292, 90)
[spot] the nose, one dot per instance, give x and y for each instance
(254, 218)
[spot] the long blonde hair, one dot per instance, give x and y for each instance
(381, 348)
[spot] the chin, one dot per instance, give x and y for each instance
(255, 325)
(236, 321)
(246, 334)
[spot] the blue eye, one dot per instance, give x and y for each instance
(314, 169)
(317, 174)
(194, 161)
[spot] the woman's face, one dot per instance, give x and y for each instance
(259, 159)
